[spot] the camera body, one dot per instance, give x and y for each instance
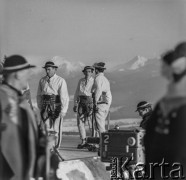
(123, 143)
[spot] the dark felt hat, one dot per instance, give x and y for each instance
(50, 64)
(15, 63)
(142, 105)
(87, 67)
(100, 65)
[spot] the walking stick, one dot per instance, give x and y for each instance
(108, 121)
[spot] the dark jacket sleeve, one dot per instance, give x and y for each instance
(145, 120)
(149, 138)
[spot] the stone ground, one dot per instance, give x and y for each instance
(69, 149)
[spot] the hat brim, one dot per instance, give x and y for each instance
(139, 109)
(50, 66)
(6, 71)
(87, 68)
(143, 107)
(98, 67)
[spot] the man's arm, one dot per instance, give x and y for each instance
(98, 89)
(63, 92)
(76, 95)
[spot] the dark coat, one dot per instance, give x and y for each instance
(166, 132)
(145, 120)
(19, 139)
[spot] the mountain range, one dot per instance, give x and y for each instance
(133, 81)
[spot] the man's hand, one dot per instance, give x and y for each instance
(62, 114)
(75, 108)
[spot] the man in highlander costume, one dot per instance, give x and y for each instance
(83, 103)
(145, 110)
(25, 91)
(53, 100)
(19, 133)
(166, 131)
(102, 96)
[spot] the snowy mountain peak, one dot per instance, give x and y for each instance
(134, 64)
(139, 61)
(67, 66)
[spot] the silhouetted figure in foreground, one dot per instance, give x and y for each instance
(19, 140)
(166, 130)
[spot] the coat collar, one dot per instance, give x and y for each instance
(177, 89)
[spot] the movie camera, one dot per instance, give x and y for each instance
(121, 143)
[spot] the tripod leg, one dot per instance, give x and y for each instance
(108, 121)
(57, 153)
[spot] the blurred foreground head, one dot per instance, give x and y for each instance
(16, 71)
(174, 63)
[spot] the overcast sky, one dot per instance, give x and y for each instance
(90, 30)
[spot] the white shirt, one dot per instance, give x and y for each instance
(57, 86)
(84, 88)
(101, 88)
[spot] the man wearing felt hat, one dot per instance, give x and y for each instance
(166, 130)
(53, 100)
(19, 139)
(102, 96)
(145, 110)
(25, 91)
(83, 103)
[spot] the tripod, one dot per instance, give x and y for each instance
(52, 156)
(51, 136)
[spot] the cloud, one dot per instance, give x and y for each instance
(68, 65)
(38, 61)
(61, 62)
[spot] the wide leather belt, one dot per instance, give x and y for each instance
(102, 103)
(49, 98)
(84, 98)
